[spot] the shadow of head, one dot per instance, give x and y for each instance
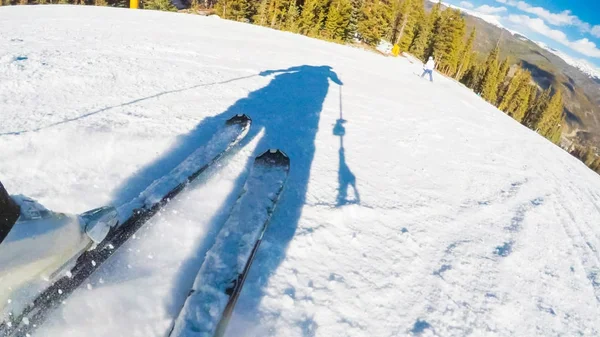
(325, 72)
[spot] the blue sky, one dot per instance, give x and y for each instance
(570, 26)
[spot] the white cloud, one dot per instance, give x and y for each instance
(583, 46)
(564, 18)
(466, 4)
(490, 9)
(586, 47)
(596, 31)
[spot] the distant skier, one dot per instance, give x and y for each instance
(428, 68)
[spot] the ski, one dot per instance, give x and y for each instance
(132, 216)
(209, 305)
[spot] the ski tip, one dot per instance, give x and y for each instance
(274, 157)
(241, 119)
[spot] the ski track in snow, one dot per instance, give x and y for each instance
(412, 208)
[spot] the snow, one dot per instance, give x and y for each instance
(411, 208)
(581, 64)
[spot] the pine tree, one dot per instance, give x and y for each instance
(355, 17)
(161, 5)
(291, 20)
(337, 25)
(512, 88)
(277, 13)
(423, 29)
(474, 75)
(492, 56)
(233, 9)
(502, 77)
(262, 13)
(375, 21)
(311, 18)
(550, 122)
(465, 55)
(406, 15)
(489, 85)
(447, 40)
(435, 17)
(519, 103)
(536, 108)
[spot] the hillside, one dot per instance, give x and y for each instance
(411, 209)
(582, 92)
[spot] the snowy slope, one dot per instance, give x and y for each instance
(427, 212)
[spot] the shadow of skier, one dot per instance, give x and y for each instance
(286, 114)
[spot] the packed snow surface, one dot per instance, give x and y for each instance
(411, 208)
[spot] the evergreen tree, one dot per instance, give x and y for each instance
(417, 17)
(161, 5)
(375, 21)
(513, 86)
(536, 108)
(261, 16)
(447, 40)
(492, 56)
(489, 84)
(277, 12)
(311, 18)
(532, 100)
(406, 15)
(423, 28)
(474, 75)
(355, 17)
(465, 55)
(502, 77)
(434, 20)
(517, 107)
(550, 122)
(231, 9)
(291, 20)
(337, 25)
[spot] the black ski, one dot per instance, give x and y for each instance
(152, 200)
(209, 305)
